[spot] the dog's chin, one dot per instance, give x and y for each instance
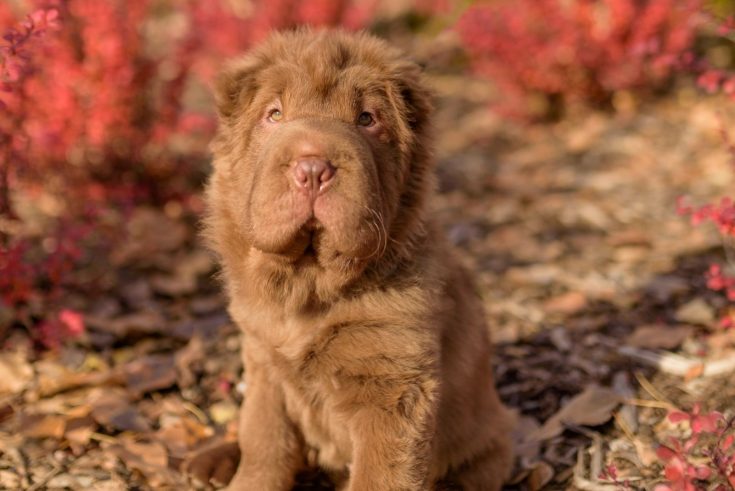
(310, 248)
(299, 247)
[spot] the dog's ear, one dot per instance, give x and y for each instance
(236, 84)
(415, 97)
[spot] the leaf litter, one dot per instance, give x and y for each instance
(592, 284)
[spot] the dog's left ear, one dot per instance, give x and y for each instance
(235, 85)
(415, 98)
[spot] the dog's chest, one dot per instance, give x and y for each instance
(310, 387)
(324, 428)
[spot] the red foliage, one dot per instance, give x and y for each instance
(223, 31)
(723, 216)
(684, 468)
(93, 112)
(579, 50)
(16, 69)
(716, 80)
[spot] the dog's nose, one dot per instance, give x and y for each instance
(312, 174)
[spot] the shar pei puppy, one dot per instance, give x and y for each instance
(365, 348)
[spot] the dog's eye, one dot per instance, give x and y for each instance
(365, 119)
(275, 115)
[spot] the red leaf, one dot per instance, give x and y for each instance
(678, 416)
(665, 453)
(702, 472)
(674, 470)
(73, 321)
(707, 423)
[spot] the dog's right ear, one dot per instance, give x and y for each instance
(235, 85)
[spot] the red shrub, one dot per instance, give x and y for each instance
(223, 31)
(578, 50)
(94, 113)
(704, 456)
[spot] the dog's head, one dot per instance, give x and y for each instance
(321, 164)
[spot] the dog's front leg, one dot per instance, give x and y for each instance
(270, 450)
(392, 444)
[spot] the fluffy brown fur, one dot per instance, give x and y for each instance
(364, 343)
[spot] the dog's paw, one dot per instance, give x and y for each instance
(213, 466)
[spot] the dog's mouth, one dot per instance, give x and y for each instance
(307, 251)
(310, 251)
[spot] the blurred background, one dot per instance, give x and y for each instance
(580, 144)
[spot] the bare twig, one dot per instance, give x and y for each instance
(652, 391)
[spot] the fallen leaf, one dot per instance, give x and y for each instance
(54, 378)
(182, 434)
(43, 426)
(567, 303)
(138, 323)
(149, 232)
(664, 288)
(73, 321)
(659, 336)
(183, 281)
(205, 326)
(153, 372)
(541, 474)
(527, 451)
(148, 458)
(697, 312)
(112, 408)
(207, 305)
(223, 412)
(695, 371)
(78, 432)
(15, 373)
(188, 359)
(645, 452)
(594, 406)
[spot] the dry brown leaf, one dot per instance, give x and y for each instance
(78, 432)
(658, 336)
(148, 458)
(567, 303)
(15, 372)
(594, 406)
(43, 426)
(663, 288)
(182, 434)
(207, 304)
(527, 451)
(541, 474)
(222, 412)
(149, 232)
(696, 311)
(112, 408)
(54, 378)
(205, 326)
(645, 452)
(183, 281)
(153, 372)
(694, 371)
(174, 285)
(138, 323)
(188, 359)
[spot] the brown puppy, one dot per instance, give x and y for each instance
(364, 343)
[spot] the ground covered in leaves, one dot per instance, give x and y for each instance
(594, 291)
